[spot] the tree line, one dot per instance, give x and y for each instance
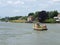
(41, 16)
(44, 16)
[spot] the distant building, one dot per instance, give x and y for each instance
(0, 18)
(20, 19)
(57, 18)
(30, 19)
(6, 19)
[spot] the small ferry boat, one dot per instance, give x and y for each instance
(39, 27)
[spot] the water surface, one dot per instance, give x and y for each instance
(23, 34)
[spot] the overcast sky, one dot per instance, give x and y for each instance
(23, 7)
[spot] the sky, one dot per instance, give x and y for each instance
(9, 8)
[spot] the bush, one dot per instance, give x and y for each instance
(18, 21)
(51, 20)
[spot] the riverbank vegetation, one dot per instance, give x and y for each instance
(41, 16)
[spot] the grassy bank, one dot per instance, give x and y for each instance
(51, 20)
(18, 21)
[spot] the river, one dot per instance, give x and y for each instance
(23, 34)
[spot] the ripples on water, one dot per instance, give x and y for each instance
(23, 34)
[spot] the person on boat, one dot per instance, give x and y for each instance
(37, 25)
(44, 26)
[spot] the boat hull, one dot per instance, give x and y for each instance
(40, 29)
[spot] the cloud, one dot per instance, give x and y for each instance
(18, 2)
(9, 2)
(0, 2)
(31, 0)
(15, 2)
(56, 0)
(16, 11)
(53, 2)
(50, 2)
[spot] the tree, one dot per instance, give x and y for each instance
(30, 14)
(24, 17)
(52, 14)
(36, 14)
(42, 16)
(55, 13)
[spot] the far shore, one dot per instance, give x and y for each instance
(25, 21)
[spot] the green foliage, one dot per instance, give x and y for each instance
(36, 14)
(15, 18)
(3, 19)
(30, 14)
(51, 20)
(41, 16)
(24, 17)
(52, 14)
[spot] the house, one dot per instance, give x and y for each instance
(30, 19)
(57, 18)
(6, 19)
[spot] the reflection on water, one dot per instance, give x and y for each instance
(23, 34)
